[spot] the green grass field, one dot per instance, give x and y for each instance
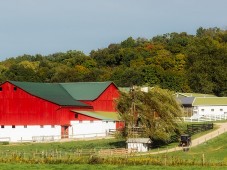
(213, 151)
(64, 146)
(101, 167)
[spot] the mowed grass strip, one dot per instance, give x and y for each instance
(5, 166)
(64, 146)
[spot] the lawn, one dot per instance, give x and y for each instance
(64, 146)
(214, 149)
(175, 144)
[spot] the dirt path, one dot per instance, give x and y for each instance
(222, 128)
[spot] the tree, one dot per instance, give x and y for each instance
(154, 111)
(206, 66)
(21, 73)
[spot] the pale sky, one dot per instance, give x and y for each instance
(50, 26)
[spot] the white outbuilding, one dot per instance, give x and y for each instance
(139, 144)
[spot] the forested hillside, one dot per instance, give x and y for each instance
(176, 61)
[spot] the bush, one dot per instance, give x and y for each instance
(4, 143)
(95, 160)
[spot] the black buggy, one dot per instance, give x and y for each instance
(185, 142)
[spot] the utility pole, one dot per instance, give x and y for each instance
(133, 110)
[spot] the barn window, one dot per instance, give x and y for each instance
(41, 126)
(0, 88)
(2, 126)
(25, 126)
(15, 88)
(52, 126)
(212, 110)
(13, 126)
(76, 115)
(221, 109)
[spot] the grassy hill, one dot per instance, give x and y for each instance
(212, 153)
(214, 149)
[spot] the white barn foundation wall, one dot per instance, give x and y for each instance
(20, 133)
(83, 129)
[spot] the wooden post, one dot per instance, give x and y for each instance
(203, 159)
(165, 160)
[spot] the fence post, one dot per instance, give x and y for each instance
(165, 159)
(203, 159)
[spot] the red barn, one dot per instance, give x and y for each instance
(44, 111)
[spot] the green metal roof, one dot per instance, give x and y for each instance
(85, 90)
(124, 89)
(52, 92)
(211, 101)
(100, 115)
(194, 95)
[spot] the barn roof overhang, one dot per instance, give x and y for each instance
(101, 115)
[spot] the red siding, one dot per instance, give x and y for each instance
(120, 125)
(82, 117)
(105, 102)
(20, 108)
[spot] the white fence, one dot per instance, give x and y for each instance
(67, 137)
(207, 118)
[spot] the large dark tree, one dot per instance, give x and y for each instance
(156, 112)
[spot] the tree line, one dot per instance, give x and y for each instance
(174, 61)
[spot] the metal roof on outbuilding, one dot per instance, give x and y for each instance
(186, 101)
(194, 95)
(138, 140)
(210, 101)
